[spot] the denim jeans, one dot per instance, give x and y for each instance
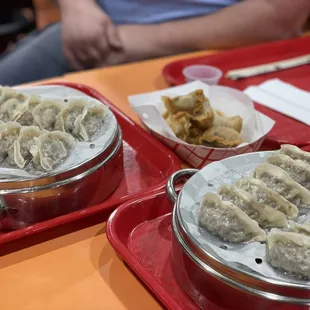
(37, 56)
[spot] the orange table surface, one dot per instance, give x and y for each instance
(80, 271)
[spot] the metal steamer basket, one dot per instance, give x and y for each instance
(30, 201)
(208, 279)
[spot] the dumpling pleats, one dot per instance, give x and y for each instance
(225, 220)
(46, 112)
(298, 170)
(67, 117)
(303, 229)
(19, 153)
(51, 149)
(278, 180)
(295, 153)
(262, 194)
(89, 124)
(265, 216)
(8, 135)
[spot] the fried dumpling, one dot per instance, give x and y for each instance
(50, 149)
(191, 103)
(46, 112)
(289, 252)
(295, 153)
(89, 124)
(204, 119)
(265, 216)
(195, 108)
(25, 117)
(262, 194)
(221, 137)
(278, 180)
(180, 125)
(66, 118)
(221, 120)
(303, 229)
(298, 170)
(225, 220)
(19, 153)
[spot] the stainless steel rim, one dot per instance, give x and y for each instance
(227, 280)
(188, 243)
(68, 172)
(177, 176)
(71, 179)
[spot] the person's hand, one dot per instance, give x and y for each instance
(88, 34)
(138, 43)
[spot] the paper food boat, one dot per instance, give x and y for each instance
(230, 101)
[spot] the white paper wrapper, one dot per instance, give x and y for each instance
(230, 101)
(209, 179)
(82, 151)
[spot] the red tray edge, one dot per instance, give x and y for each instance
(128, 258)
(250, 48)
(89, 211)
(270, 141)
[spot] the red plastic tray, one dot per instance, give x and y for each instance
(140, 231)
(256, 55)
(147, 165)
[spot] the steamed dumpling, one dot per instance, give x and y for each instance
(303, 229)
(89, 124)
(264, 215)
(18, 107)
(225, 220)
(6, 93)
(278, 180)
(19, 152)
(51, 149)
(295, 153)
(8, 135)
(289, 252)
(25, 117)
(66, 118)
(46, 112)
(12, 108)
(298, 170)
(262, 194)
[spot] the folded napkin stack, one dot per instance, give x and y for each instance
(282, 97)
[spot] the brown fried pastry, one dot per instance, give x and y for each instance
(193, 120)
(221, 120)
(203, 120)
(191, 103)
(179, 124)
(221, 137)
(188, 116)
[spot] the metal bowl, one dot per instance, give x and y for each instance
(30, 201)
(204, 277)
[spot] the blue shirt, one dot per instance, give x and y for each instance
(157, 11)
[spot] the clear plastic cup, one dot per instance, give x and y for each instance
(204, 73)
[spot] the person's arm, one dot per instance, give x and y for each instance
(248, 22)
(88, 33)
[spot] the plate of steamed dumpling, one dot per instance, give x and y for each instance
(38, 133)
(254, 204)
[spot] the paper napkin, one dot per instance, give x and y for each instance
(282, 97)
